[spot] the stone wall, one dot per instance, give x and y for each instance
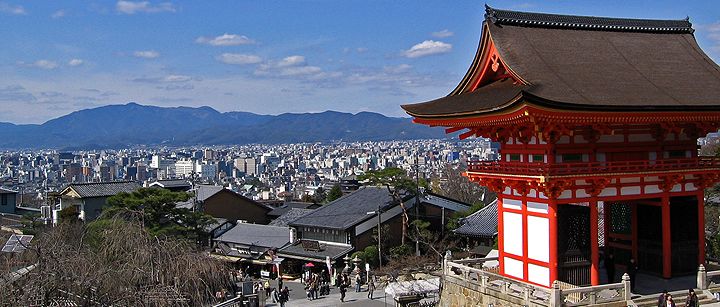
(460, 293)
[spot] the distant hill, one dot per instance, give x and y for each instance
(116, 126)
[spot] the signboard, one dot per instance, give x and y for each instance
(265, 274)
(310, 245)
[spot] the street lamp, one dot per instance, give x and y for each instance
(378, 212)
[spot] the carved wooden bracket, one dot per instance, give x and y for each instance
(520, 186)
(596, 186)
(553, 189)
(552, 132)
(669, 181)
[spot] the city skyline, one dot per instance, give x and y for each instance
(269, 58)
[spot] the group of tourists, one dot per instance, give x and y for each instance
(666, 299)
(280, 294)
(317, 285)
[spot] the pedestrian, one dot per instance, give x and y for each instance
(669, 301)
(284, 296)
(610, 267)
(632, 271)
(266, 286)
(274, 295)
(344, 283)
(358, 280)
(661, 298)
(280, 283)
(371, 287)
(692, 299)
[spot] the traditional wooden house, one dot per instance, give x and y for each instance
(90, 198)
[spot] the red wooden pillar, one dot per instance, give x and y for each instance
(666, 247)
(594, 248)
(501, 246)
(552, 217)
(701, 226)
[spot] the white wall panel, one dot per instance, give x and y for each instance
(513, 267)
(512, 233)
(630, 191)
(539, 274)
(651, 189)
(538, 238)
(512, 203)
(537, 207)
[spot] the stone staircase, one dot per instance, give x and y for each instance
(705, 298)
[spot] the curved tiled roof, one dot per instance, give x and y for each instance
(103, 189)
(585, 63)
(482, 223)
(504, 17)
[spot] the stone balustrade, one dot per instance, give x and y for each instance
(466, 283)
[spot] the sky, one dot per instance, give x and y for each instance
(266, 57)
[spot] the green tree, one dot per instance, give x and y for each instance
(156, 210)
(334, 193)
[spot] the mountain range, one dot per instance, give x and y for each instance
(121, 126)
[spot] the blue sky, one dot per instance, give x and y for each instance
(267, 57)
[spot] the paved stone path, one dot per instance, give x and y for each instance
(352, 298)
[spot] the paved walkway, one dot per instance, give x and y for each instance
(352, 298)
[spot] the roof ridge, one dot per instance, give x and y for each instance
(544, 20)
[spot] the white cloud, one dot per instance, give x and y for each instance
(442, 34)
(166, 79)
(75, 62)
(146, 54)
(132, 7)
(239, 59)
(58, 14)
(300, 70)
(397, 69)
(428, 47)
(12, 9)
(292, 60)
(225, 40)
(45, 64)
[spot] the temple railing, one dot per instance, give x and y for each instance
(574, 168)
(560, 294)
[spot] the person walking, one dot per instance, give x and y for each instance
(669, 301)
(661, 298)
(692, 299)
(344, 283)
(610, 267)
(358, 281)
(284, 296)
(371, 287)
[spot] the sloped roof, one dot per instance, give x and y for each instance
(586, 63)
(326, 250)
(172, 183)
(347, 210)
(7, 191)
(445, 202)
(482, 223)
(287, 206)
(257, 235)
(102, 189)
(290, 216)
(205, 191)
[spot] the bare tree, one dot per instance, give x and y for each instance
(112, 262)
(452, 184)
